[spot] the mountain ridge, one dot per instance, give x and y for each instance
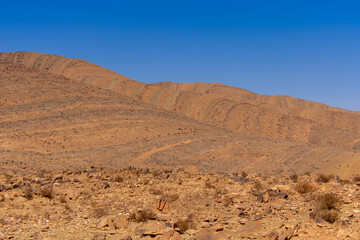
(217, 104)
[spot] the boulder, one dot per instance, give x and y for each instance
(120, 221)
(103, 222)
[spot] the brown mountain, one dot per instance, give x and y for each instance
(217, 104)
(59, 111)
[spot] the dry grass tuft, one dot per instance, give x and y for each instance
(46, 191)
(118, 179)
(323, 178)
(328, 201)
(356, 178)
(28, 193)
(184, 224)
(208, 184)
(344, 181)
(244, 174)
(304, 187)
(327, 206)
(258, 186)
(294, 178)
(63, 198)
(144, 216)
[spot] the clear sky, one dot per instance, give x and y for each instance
(305, 49)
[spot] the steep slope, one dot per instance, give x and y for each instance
(49, 121)
(220, 105)
(53, 120)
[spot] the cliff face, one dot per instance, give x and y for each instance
(224, 106)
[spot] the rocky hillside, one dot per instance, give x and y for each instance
(224, 106)
(57, 112)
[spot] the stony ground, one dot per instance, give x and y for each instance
(176, 204)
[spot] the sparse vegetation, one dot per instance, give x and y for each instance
(212, 199)
(344, 181)
(118, 179)
(28, 193)
(327, 206)
(294, 178)
(144, 216)
(244, 174)
(323, 178)
(46, 191)
(208, 184)
(356, 178)
(258, 185)
(304, 187)
(63, 198)
(184, 224)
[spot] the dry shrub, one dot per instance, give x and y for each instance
(28, 193)
(323, 178)
(144, 216)
(294, 178)
(63, 198)
(67, 207)
(118, 179)
(208, 184)
(328, 201)
(184, 224)
(46, 191)
(304, 187)
(356, 178)
(244, 174)
(327, 206)
(258, 185)
(344, 181)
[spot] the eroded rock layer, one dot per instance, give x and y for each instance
(217, 104)
(61, 112)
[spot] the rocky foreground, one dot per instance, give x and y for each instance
(176, 204)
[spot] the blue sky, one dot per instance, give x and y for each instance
(305, 49)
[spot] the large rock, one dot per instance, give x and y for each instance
(151, 228)
(120, 221)
(104, 222)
